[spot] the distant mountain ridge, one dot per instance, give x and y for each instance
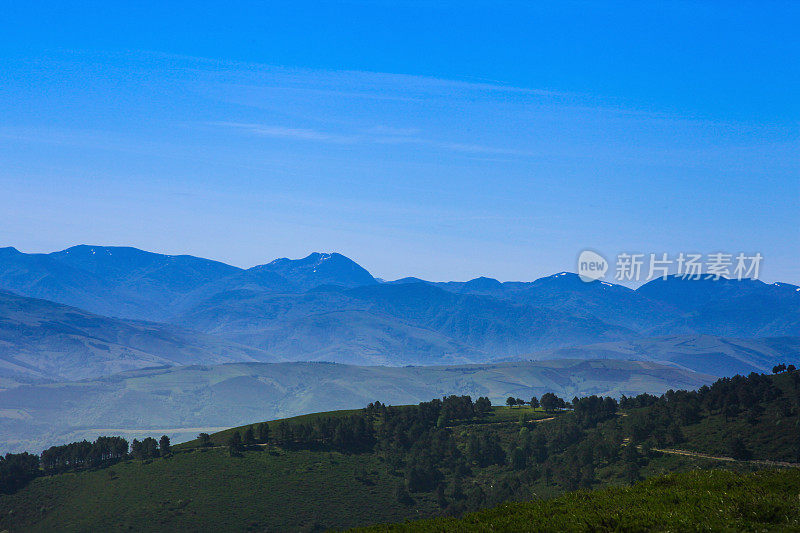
(327, 307)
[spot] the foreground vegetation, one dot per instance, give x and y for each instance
(695, 501)
(389, 464)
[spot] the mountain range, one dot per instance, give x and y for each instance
(178, 309)
(98, 339)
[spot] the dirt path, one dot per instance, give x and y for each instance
(688, 453)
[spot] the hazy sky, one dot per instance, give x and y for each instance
(443, 140)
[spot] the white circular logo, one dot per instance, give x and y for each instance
(591, 266)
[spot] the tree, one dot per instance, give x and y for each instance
(150, 447)
(483, 406)
(249, 437)
(791, 368)
(551, 402)
(137, 449)
(16, 469)
(738, 449)
(534, 402)
(511, 401)
(235, 444)
(518, 459)
(205, 440)
(163, 445)
(263, 432)
(777, 369)
(402, 495)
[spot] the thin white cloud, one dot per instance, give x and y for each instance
(376, 135)
(299, 134)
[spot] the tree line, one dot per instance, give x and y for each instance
(17, 469)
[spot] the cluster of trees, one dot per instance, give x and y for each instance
(755, 400)
(83, 454)
(150, 448)
(777, 369)
(237, 443)
(16, 469)
(549, 402)
(351, 434)
(515, 402)
(593, 409)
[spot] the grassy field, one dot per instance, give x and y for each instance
(273, 490)
(695, 501)
(278, 491)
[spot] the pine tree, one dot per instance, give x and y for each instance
(163, 445)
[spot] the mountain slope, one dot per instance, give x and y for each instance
(701, 353)
(732, 308)
(413, 323)
(109, 280)
(43, 340)
(131, 283)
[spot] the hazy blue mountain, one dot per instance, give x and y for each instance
(41, 276)
(413, 323)
(565, 292)
(184, 401)
(320, 269)
(700, 353)
(614, 304)
(42, 340)
(690, 294)
(144, 270)
(109, 280)
(732, 308)
(131, 283)
(490, 324)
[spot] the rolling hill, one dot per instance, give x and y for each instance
(181, 401)
(701, 353)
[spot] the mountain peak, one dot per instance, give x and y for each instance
(320, 268)
(9, 250)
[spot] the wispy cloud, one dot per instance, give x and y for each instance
(375, 135)
(282, 132)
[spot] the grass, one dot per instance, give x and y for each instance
(209, 489)
(695, 501)
(271, 490)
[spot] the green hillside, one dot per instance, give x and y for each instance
(694, 501)
(387, 464)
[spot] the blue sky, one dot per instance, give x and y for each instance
(443, 140)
